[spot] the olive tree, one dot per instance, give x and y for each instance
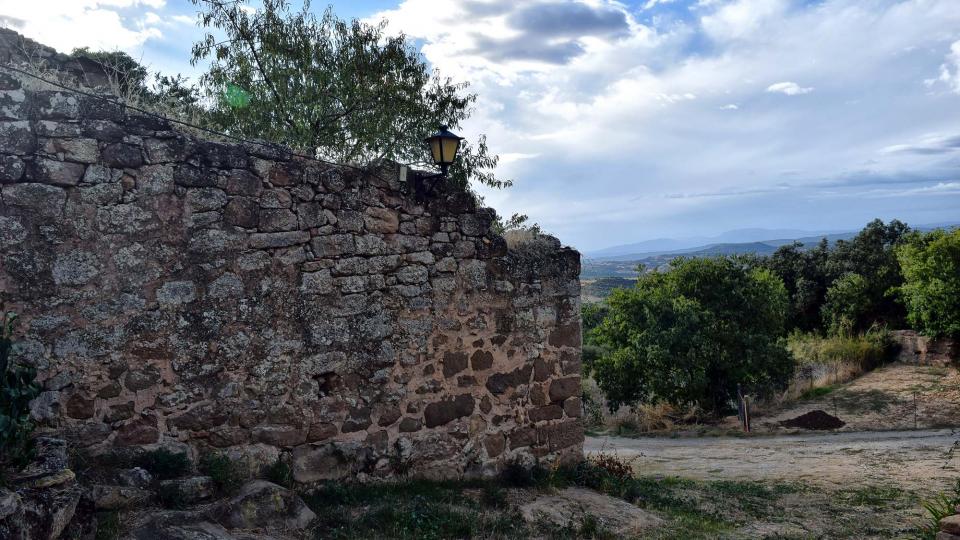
(345, 90)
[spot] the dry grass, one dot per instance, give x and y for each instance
(519, 237)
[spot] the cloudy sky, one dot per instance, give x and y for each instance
(626, 121)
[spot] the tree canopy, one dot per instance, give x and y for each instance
(931, 292)
(692, 333)
(343, 89)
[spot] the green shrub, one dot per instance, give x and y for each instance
(931, 268)
(279, 473)
(17, 388)
(867, 351)
(227, 474)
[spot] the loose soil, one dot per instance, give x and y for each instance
(817, 420)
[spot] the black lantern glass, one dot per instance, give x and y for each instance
(443, 148)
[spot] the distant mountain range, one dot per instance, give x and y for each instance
(740, 241)
(622, 261)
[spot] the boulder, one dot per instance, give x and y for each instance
(187, 490)
(265, 505)
(117, 497)
(573, 505)
(176, 525)
(9, 503)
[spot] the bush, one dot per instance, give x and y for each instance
(692, 334)
(227, 474)
(279, 473)
(931, 269)
(866, 351)
(17, 388)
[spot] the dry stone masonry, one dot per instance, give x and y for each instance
(231, 296)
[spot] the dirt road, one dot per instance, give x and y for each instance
(924, 461)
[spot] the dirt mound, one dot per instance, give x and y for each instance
(814, 420)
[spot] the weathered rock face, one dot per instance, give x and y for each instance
(230, 295)
(917, 349)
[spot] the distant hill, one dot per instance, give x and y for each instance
(621, 262)
(664, 245)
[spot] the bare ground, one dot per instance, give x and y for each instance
(865, 480)
(896, 396)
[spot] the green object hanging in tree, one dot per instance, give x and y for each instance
(237, 97)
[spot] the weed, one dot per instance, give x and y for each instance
(517, 474)
(227, 474)
(279, 473)
(937, 508)
(493, 496)
(872, 496)
(108, 525)
(817, 392)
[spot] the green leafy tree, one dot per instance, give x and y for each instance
(343, 89)
(872, 255)
(931, 292)
(803, 272)
(17, 388)
(692, 333)
(848, 304)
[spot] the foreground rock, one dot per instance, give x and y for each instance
(265, 505)
(573, 505)
(180, 526)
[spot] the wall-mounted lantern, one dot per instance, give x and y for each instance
(443, 147)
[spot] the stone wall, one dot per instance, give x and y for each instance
(181, 291)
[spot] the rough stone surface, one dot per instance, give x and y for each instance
(572, 505)
(264, 505)
(235, 296)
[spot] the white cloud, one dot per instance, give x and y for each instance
(788, 88)
(949, 70)
(742, 18)
(729, 107)
(98, 24)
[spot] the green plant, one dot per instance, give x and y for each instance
(931, 268)
(280, 473)
(937, 508)
(108, 525)
(227, 474)
(17, 388)
(692, 334)
(519, 474)
(493, 495)
(346, 90)
(162, 463)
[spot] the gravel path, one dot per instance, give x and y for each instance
(923, 460)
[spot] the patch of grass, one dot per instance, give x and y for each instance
(818, 392)
(872, 496)
(414, 509)
(227, 474)
(108, 526)
(279, 473)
